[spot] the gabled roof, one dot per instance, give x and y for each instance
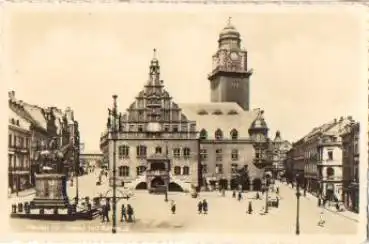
(37, 114)
(224, 116)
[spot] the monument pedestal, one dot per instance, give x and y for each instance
(51, 191)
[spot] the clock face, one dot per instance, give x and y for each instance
(234, 56)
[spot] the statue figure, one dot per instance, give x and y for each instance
(52, 157)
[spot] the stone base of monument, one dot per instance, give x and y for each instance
(51, 202)
(80, 215)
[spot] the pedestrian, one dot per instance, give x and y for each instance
(239, 196)
(123, 213)
(199, 207)
(277, 191)
(205, 206)
(321, 220)
(304, 192)
(130, 213)
(249, 210)
(105, 213)
(319, 202)
(277, 202)
(257, 195)
(173, 207)
(234, 194)
(107, 209)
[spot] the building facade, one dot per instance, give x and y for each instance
(199, 144)
(29, 128)
(350, 148)
(318, 156)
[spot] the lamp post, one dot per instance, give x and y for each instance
(298, 194)
(167, 172)
(266, 194)
(114, 138)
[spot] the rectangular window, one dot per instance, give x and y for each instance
(204, 168)
(203, 154)
(186, 153)
(176, 152)
(10, 140)
(131, 127)
(140, 128)
(175, 128)
(184, 127)
(234, 168)
(123, 151)
(219, 168)
(141, 151)
(330, 155)
(234, 155)
(218, 155)
(166, 127)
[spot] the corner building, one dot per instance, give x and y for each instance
(205, 144)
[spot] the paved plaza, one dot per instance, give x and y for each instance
(226, 214)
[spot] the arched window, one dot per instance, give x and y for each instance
(203, 134)
(123, 171)
(218, 134)
(234, 134)
(177, 170)
(186, 170)
(141, 151)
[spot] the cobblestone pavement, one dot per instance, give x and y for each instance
(226, 214)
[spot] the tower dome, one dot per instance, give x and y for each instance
(229, 34)
(259, 126)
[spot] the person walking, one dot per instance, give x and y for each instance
(173, 207)
(123, 213)
(249, 210)
(239, 196)
(199, 207)
(130, 213)
(321, 222)
(205, 206)
(234, 194)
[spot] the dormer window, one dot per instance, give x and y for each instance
(203, 134)
(217, 112)
(218, 134)
(202, 112)
(232, 112)
(234, 134)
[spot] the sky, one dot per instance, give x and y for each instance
(308, 65)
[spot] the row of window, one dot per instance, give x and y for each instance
(166, 128)
(16, 161)
(219, 155)
(218, 134)
(124, 171)
(18, 141)
(141, 151)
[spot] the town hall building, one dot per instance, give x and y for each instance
(207, 145)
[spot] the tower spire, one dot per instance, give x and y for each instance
(229, 20)
(154, 53)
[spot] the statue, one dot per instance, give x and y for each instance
(52, 157)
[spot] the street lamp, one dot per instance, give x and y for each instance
(298, 194)
(114, 131)
(266, 193)
(167, 172)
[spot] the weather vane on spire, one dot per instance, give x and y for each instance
(229, 20)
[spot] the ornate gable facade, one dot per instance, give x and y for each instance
(154, 114)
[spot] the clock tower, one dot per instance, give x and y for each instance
(230, 78)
